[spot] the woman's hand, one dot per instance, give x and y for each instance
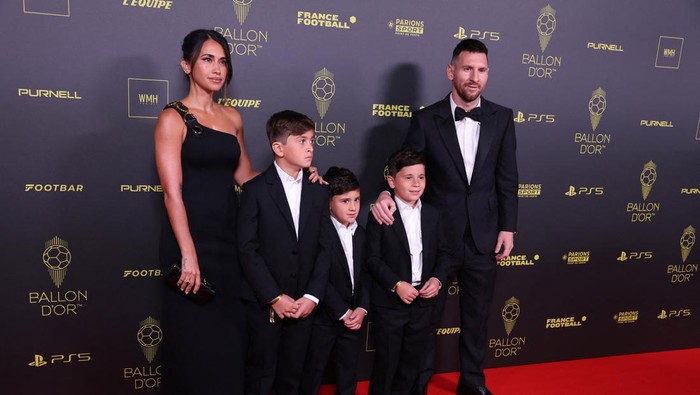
(315, 177)
(190, 276)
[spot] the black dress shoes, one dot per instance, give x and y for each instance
(471, 390)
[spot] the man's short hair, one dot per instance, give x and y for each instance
(340, 180)
(470, 45)
(400, 159)
(287, 123)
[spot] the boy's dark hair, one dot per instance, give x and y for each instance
(400, 159)
(287, 123)
(340, 180)
(469, 45)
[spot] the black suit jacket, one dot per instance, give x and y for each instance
(339, 293)
(389, 256)
(274, 261)
(489, 203)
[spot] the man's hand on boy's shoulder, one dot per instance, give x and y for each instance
(383, 209)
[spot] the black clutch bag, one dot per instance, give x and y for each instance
(206, 289)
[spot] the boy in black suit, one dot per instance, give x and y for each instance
(282, 242)
(339, 318)
(409, 261)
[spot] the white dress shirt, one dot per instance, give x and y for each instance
(292, 190)
(412, 223)
(468, 137)
(345, 235)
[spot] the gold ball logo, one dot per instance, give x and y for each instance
(323, 88)
(56, 257)
(597, 104)
(511, 312)
(149, 335)
(688, 240)
(546, 24)
(648, 176)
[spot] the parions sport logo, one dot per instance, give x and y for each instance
(407, 27)
(529, 190)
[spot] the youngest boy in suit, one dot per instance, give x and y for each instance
(337, 323)
(409, 261)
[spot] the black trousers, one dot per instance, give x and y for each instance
(331, 339)
(277, 352)
(400, 337)
(477, 280)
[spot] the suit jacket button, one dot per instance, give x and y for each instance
(294, 252)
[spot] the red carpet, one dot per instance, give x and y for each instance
(667, 372)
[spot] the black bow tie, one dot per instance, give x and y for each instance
(474, 114)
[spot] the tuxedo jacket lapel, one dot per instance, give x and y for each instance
(400, 231)
(305, 204)
(356, 257)
(446, 128)
(428, 226)
(340, 254)
(276, 191)
(485, 135)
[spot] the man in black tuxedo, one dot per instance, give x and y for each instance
(469, 146)
(283, 229)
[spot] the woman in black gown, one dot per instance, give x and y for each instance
(200, 156)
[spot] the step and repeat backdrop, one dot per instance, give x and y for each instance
(607, 111)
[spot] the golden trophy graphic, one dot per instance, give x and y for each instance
(687, 242)
(149, 337)
(647, 178)
(241, 7)
(596, 107)
(57, 257)
(323, 89)
(510, 313)
(546, 23)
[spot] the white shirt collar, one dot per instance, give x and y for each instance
(403, 206)
(339, 226)
(286, 178)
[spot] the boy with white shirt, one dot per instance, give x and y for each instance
(283, 242)
(409, 261)
(336, 330)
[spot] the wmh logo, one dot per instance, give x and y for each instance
(148, 99)
(669, 52)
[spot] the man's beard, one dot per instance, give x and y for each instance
(465, 96)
